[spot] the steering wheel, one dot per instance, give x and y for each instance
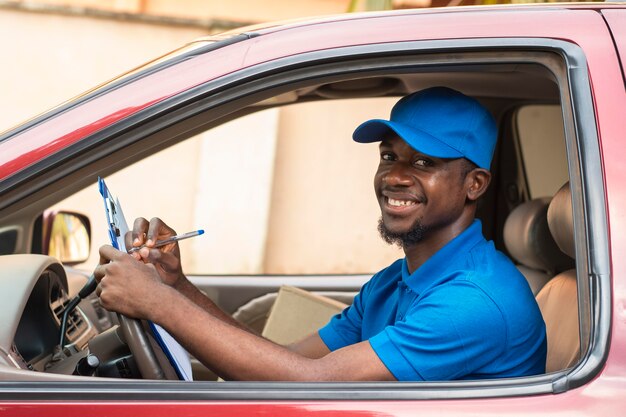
(138, 341)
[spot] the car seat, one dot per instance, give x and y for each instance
(528, 239)
(558, 299)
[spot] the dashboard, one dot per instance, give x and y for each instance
(34, 289)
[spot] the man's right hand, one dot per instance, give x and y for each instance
(166, 258)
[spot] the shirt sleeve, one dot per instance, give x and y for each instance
(344, 329)
(445, 335)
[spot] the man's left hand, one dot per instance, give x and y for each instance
(126, 285)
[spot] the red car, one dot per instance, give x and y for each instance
(553, 77)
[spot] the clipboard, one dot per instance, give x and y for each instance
(117, 229)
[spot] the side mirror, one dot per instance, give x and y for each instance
(66, 236)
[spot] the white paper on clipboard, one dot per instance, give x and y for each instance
(118, 227)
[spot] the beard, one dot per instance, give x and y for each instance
(402, 239)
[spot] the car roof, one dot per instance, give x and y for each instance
(233, 50)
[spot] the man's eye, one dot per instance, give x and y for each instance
(422, 162)
(386, 157)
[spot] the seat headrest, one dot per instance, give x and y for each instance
(528, 239)
(561, 220)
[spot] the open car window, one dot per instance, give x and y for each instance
(272, 190)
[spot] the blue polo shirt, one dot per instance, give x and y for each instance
(466, 313)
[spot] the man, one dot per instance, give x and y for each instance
(453, 308)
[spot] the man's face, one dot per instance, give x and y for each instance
(419, 195)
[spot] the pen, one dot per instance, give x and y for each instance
(170, 239)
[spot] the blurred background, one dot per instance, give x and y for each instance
(285, 210)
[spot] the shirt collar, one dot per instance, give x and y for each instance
(444, 259)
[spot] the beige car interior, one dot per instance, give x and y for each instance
(558, 299)
(539, 235)
(528, 239)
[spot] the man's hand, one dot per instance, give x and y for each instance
(166, 259)
(128, 286)
(166, 262)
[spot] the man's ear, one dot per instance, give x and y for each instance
(477, 181)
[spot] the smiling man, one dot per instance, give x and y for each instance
(453, 308)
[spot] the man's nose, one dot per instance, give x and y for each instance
(398, 175)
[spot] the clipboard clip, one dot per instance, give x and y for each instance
(111, 214)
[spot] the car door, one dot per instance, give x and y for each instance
(551, 55)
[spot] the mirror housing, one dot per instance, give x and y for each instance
(66, 236)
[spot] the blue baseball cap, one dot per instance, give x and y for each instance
(439, 122)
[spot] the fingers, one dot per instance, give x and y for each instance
(158, 230)
(108, 253)
(123, 284)
(147, 233)
(99, 273)
(166, 260)
(138, 235)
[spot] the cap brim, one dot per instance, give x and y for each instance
(376, 130)
(373, 130)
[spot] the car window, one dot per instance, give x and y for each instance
(286, 191)
(279, 191)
